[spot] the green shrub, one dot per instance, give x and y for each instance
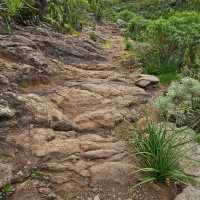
(128, 45)
(97, 7)
(174, 42)
(181, 104)
(159, 154)
(93, 36)
(6, 191)
(176, 37)
(167, 78)
(62, 13)
(10, 10)
(125, 15)
(157, 8)
(20, 11)
(197, 138)
(137, 27)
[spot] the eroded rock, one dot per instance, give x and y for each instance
(5, 174)
(189, 193)
(61, 97)
(145, 81)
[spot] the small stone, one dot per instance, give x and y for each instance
(146, 80)
(6, 112)
(44, 191)
(51, 196)
(96, 197)
(4, 80)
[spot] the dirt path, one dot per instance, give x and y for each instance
(61, 99)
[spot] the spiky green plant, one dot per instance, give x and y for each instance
(61, 14)
(97, 7)
(11, 9)
(159, 152)
(18, 11)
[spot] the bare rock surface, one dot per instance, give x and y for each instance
(190, 193)
(61, 97)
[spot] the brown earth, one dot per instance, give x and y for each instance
(61, 99)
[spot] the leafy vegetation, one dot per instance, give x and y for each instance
(159, 152)
(197, 138)
(36, 174)
(97, 7)
(93, 36)
(170, 27)
(177, 35)
(6, 191)
(67, 14)
(62, 15)
(181, 104)
(174, 42)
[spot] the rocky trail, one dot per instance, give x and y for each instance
(61, 99)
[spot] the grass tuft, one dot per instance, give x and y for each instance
(159, 154)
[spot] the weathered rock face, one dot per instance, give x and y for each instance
(5, 174)
(81, 161)
(190, 193)
(60, 99)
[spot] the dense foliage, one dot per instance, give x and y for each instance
(170, 27)
(63, 15)
(174, 40)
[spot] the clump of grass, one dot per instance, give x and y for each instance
(93, 36)
(6, 191)
(128, 45)
(97, 6)
(159, 152)
(36, 174)
(10, 10)
(197, 138)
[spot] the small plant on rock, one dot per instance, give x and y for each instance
(6, 191)
(93, 36)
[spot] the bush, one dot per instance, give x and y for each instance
(156, 8)
(22, 12)
(177, 35)
(125, 15)
(97, 6)
(62, 13)
(159, 154)
(197, 138)
(181, 104)
(93, 36)
(128, 45)
(10, 10)
(137, 27)
(174, 42)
